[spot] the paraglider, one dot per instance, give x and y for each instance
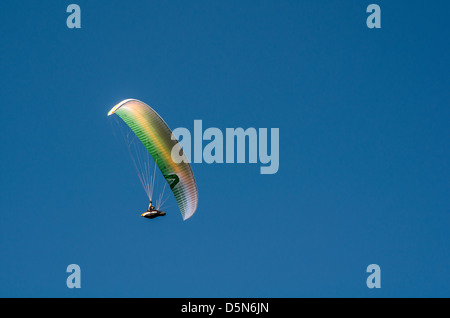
(158, 140)
(152, 213)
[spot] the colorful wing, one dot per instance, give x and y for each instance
(156, 136)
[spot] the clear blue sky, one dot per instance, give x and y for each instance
(364, 148)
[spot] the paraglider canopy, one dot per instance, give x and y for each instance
(157, 138)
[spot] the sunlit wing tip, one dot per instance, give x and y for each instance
(113, 110)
